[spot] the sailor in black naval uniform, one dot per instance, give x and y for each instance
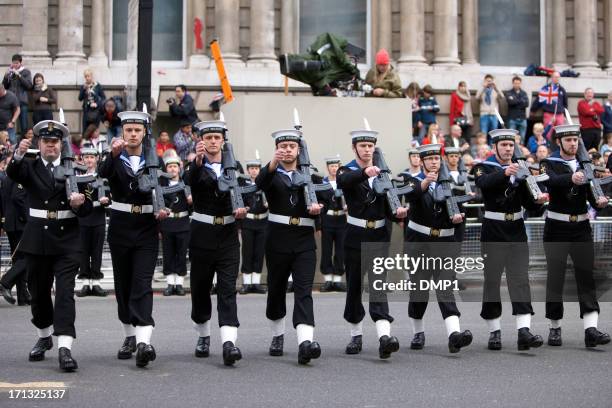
(414, 161)
(333, 231)
(14, 216)
(504, 240)
(367, 218)
(214, 245)
(92, 229)
(252, 232)
(290, 247)
(567, 232)
(430, 232)
(132, 236)
(50, 241)
(175, 228)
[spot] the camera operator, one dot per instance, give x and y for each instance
(383, 79)
(182, 107)
(18, 80)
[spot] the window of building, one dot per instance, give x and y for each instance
(168, 30)
(347, 18)
(509, 32)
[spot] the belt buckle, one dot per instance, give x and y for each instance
(573, 218)
(52, 215)
(136, 209)
(258, 217)
(294, 220)
(509, 217)
(336, 212)
(434, 232)
(370, 224)
(176, 215)
(218, 220)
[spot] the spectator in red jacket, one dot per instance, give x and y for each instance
(163, 143)
(589, 113)
(461, 109)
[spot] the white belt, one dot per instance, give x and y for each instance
(51, 215)
(433, 232)
(369, 224)
(336, 213)
(132, 208)
(212, 219)
(500, 216)
(181, 214)
(566, 217)
(296, 221)
(261, 216)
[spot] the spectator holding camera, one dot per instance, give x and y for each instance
(18, 80)
(518, 101)
(93, 97)
(489, 97)
(589, 114)
(384, 80)
(182, 107)
(42, 99)
(9, 112)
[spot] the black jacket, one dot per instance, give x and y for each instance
(257, 204)
(177, 203)
(13, 199)
(185, 109)
(517, 103)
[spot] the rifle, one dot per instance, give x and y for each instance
(444, 192)
(382, 184)
(588, 169)
(303, 177)
(101, 185)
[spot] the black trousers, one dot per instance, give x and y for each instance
(17, 274)
(332, 250)
(559, 243)
(419, 298)
(92, 240)
(591, 138)
(301, 266)
(42, 269)
(133, 269)
(174, 246)
(353, 308)
(253, 249)
(513, 257)
(204, 264)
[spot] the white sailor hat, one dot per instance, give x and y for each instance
(452, 150)
(51, 129)
(497, 135)
(412, 150)
(138, 117)
(287, 135)
(333, 160)
(89, 149)
(429, 150)
(364, 136)
(567, 130)
(253, 163)
(210, 126)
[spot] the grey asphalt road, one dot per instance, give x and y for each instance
(570, 376)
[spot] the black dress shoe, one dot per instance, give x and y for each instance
(388, 345)
(26, 302)
(127, 349)
(97, 290)
(457, 340)
(257, 288)
(340, 286)
(308, 350)
(554, 337)
(526, 340)
(276, 347)
(355, 345)
(245, 289)
(144, 354)
(231, 353)
(66, 362)
(495, 342)
(327, 287)
(289, 287)
(169, 291)
(203, 347)
(418, 341)
(179, 290)
(6, 294)
(593, 337)
(85, 291)
(38, 351)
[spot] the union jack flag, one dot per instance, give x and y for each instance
(549, 94)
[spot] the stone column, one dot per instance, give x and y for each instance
(262, 33)
(559, 40)
(289, 27)
(35, 15)
(608, 31)
(446, 48)
(98, 17)
(70, 32)
(384, 26)
(198, 57)
(227, 28)
(585, 35)
(412, 42)
(469, 33)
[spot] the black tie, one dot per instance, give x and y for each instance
(50, 167)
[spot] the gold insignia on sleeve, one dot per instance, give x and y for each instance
(20, 186)
(542, 168)
(411, 184)
(479, 172)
